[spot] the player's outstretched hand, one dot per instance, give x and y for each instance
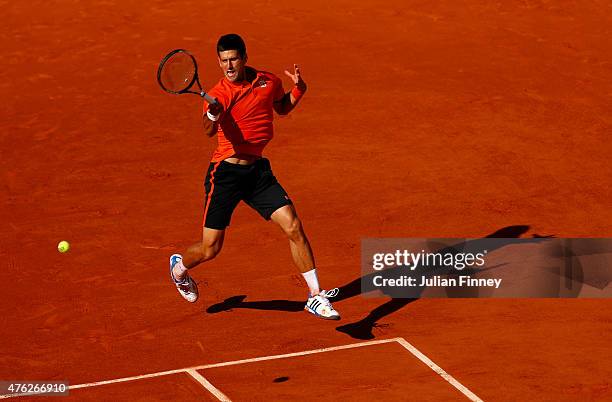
(296, 78)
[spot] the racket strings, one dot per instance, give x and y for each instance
(178, 72)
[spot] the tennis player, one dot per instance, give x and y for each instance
(242, 119)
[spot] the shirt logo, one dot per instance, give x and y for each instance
(262, 83)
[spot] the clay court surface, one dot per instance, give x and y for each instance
(451, 119)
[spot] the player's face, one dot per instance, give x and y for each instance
(232, 65)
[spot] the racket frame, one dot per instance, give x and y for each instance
(195, 79)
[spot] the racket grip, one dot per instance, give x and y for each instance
(208, 98)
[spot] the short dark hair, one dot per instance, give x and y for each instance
(231, 42)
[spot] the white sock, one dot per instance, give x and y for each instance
(179, 270)
(312, 281)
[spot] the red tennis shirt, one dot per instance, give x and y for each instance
(245, 126)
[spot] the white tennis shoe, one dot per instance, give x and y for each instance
(187, 287)
(320, 306)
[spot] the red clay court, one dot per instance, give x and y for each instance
(453, 119)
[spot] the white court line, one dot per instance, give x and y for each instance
(307, 352)
(401, 341)
(438, 370)
(183, 370)
(206, 384)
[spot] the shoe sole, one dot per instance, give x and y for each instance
(197, 294)
(335, 318)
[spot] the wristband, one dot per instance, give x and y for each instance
(297, 93)
(212, 117)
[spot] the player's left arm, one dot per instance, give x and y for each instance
(289, 100)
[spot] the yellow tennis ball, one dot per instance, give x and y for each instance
(63, 246)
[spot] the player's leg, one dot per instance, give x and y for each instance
(271, 201)
(207, 249)
(222, 196)
(286, 218)
(318, 304)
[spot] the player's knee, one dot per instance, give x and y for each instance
(293, 230)
(208, 253)
(210, 248)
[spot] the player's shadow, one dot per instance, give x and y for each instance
(238, 302)
(362, 329)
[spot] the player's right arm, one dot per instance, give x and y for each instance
(211, 118)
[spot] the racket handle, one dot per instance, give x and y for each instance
(208, 98)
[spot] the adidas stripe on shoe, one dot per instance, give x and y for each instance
(321, 307)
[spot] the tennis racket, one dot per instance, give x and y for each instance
(178, 72)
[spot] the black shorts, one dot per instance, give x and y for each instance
(226, 184)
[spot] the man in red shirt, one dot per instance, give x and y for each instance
(242, 119)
